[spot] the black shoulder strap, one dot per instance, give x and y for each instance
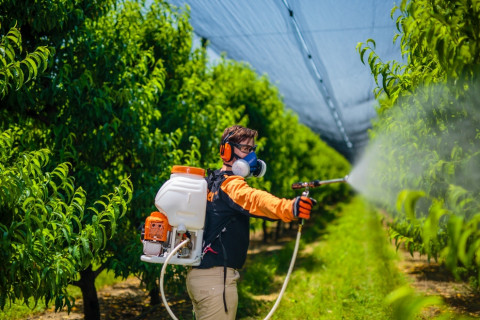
(210, 178)
(208, 242)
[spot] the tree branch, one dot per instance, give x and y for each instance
(99, 270)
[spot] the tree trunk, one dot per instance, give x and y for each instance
(91, 307)
(154, 296)
(279, 230)
(265, 232)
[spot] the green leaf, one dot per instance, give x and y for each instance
(372, 42)
(407, 199)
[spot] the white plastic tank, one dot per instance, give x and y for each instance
(183, 198)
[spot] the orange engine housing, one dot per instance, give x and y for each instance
(157, 227)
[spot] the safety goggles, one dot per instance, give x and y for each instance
(245, 148)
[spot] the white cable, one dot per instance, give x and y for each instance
(290, 269)
(174, 251)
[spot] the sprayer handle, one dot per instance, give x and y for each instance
(305, 193)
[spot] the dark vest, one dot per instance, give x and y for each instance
(227, 227)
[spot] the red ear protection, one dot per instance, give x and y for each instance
(226, 152)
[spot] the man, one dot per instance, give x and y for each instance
(212, 285)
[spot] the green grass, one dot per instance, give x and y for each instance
(345, 270)
(20, 310)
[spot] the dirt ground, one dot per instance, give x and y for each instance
(127, 300)
(124, 300)
(431, 278)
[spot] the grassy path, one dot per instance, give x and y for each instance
(348, 269)
(343, 272)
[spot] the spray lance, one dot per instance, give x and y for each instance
(307, 186)
(317, 183)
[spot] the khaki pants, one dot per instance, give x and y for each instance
(205, 288)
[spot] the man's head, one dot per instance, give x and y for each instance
(237, 142)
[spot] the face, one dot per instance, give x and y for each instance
(245, 147)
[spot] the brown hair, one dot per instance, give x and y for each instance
(238, 133)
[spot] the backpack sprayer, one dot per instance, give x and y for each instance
(174, 234)
(181, 202)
